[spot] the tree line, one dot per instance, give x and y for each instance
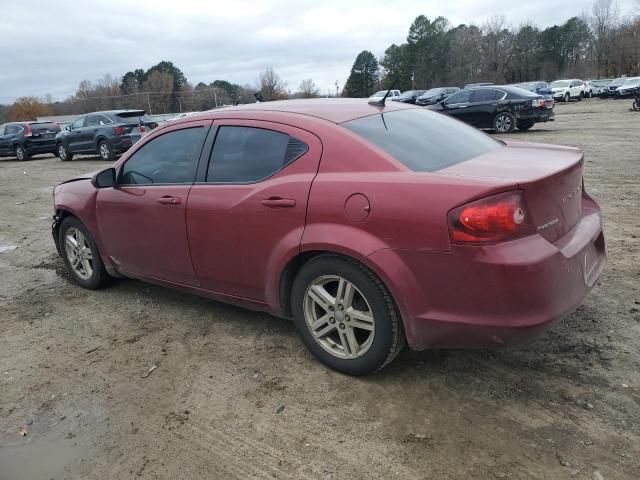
(162, 88)
(600, 43)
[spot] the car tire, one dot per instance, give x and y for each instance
(567, 97)
(345, 315)
(105, 151)
(580, 97)
(21, 153)
(525, 125)
(63, 153)
(636, 105)
(81, 255)
(504, 122)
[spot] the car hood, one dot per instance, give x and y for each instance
(86, 176)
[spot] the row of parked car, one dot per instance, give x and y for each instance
(502, 108)
(107, 134)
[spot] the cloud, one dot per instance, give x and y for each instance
(49, 47)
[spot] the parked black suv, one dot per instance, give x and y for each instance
(24, 139)
(106, 133)
(498, 107)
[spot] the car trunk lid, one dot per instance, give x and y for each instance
(549, 175)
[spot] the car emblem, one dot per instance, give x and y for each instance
(548, 224)
(572, 194)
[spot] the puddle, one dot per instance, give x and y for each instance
(40, 458)
(7, 248)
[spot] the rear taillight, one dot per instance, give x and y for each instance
(538, 103)
(118, 130)
(142, 129)
(493, 219)
(27, 132)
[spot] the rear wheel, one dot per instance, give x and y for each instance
(636, 105)
(64, 154)
(81, 255)
(105, 151)
(345, 315)
(504, 122)
(567, 98)
(525, 125)
(21, 153)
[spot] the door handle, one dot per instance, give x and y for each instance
(278, 202)
(169, 200)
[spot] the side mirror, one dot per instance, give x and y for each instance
(105, 178)
(67, 127)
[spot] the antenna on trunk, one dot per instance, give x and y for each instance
(380, 103)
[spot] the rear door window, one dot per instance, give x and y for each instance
(170, 158)
(460, 97)
(247, 154)
(92, 121)
(422, 140)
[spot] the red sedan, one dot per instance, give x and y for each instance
(365, 224)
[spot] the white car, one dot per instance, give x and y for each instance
(380, 95)
(565, 90)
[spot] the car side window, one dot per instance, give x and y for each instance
(77, 123)
(460, 97)
(92, 121)
(170, 158)
(102, 120)
(482, 95)
(1, 129)
(249, 154)
(13, 129)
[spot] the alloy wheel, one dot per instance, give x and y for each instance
(503, 123)
(104, 151)
(339, 317)
(20, 153)
(62, 153)
(79, 253)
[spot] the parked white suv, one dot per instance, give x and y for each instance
(380, 95)
(565, 90)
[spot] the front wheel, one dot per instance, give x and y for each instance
(81, 255)
(567, 97)
(504, 122)
(64, 154)
(636, 105)
(580, 97)
(105, 151)
(21, 153)
(346, 316)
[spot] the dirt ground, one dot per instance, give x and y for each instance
(236, 395)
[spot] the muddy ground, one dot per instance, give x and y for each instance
(236, 395)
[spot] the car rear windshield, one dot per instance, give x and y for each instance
(44, 127)
(133, 117)
(422, 140)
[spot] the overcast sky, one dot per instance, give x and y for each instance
(49, 47)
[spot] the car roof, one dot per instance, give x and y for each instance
(335, 110)
(114, 112)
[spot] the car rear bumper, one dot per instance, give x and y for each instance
(536, 115)
(40, 146)
(123, 143)
(497, 294)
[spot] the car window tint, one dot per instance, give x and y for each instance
(169, 158)
(422, 140)
(486, 95)
(460, 97)
(248, 154)
(92, 121)
(77, 123)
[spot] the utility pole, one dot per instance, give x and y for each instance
(179, 105)
(148, 103)
(413, 82)
(336, 88)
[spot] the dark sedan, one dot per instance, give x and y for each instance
(435, 95)
(24, 139)
(107, 133)
(500, 108)
(409, 96)
(364, 223)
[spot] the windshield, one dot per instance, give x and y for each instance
(560, 83)
(600, 83)
(632, 82)
(381, 93)
(422, 140)
(617, 82)
(527, 86)
(432, 92)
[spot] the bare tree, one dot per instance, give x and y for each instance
(603, 21)
(308, 89)
(270, 86)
